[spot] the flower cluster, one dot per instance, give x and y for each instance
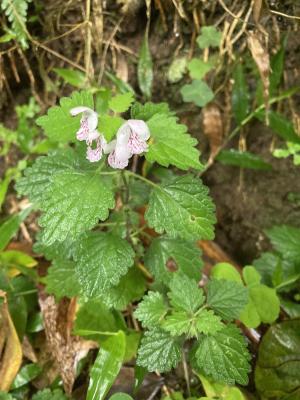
(131, 139)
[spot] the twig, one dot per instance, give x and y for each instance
(77, 26)
(284, 15)
(30, 76)
(88, 43)
(223, 5)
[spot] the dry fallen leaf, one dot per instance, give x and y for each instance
(67, 350)
(10, 347)
(262, 60)
(213, 127)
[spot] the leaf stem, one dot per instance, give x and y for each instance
(142, 178)
(186, 373)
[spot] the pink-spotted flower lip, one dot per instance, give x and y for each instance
(88, 124)
(131, 139)
(94, 153)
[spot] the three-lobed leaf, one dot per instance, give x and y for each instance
(209, 37)
(263, 305)
(199, 68)
(197, 92)
(182, 208)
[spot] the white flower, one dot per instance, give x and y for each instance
(131, 139)
(95, 154)
(88, 124)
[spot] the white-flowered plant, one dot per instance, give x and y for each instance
(94, 232)
(131, 138)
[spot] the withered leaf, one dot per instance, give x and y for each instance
(10, 347)
(67, 349)
(262, 60)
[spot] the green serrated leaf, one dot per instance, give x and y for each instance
(151, 310)
(208, 323)
(240, 94)
(101, 260)
(199, 68)
(184, 257)
(178, 323)
(197, 92)
(182, 208)
(171, 144)
(131, 287)
(107, 366)
(57, 251)
(148, 110)
(75, 202)
(121, 102)
(145, 71)
(61, 280)
(185, 294)
(38, 179)
(226, 298)
(158, 351)
(224, 356)
(109, 125)
(243, 159)
(209, 37)
(286, 240)
(58, 124)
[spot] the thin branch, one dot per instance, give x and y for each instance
(284, 15)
